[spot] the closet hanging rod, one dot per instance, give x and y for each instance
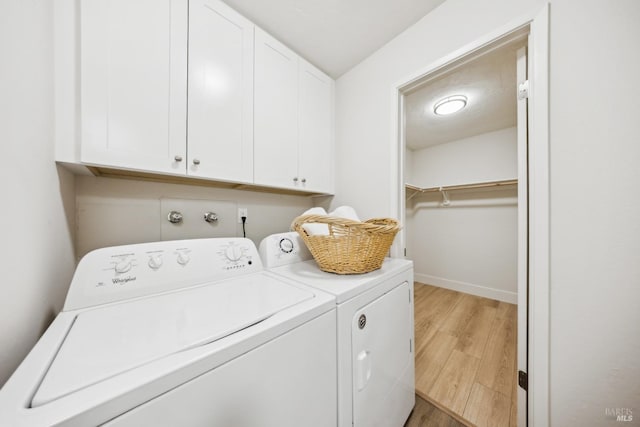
(462, 186)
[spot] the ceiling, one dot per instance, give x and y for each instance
(334, 35)
(489, 83)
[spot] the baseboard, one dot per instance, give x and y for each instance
(468, 288)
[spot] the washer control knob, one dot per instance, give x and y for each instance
(183, 258)
(155, 262)
(286, 245)
(233, 253)
(123, 266)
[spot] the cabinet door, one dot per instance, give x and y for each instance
(134, 84)
(276, 113)
(315, 129)
(220, 129)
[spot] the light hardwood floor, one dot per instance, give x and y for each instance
(426, 415)
(466, 355)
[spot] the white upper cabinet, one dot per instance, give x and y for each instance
(134, 84)
(276, 113)
(315, 129)
(190, 88)
(220, 120)
(293, 143)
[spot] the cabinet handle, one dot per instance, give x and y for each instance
(178, 158)
(304, 180)
(196, 161)
(295, 179)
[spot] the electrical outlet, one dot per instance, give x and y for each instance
(242, 212)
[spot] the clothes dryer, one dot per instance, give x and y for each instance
(375, 340)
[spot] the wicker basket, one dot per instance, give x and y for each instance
(352, 247)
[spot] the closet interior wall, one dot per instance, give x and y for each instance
(471, 244)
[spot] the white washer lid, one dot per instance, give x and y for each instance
(108, 341)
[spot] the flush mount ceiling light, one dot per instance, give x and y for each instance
(450, 105)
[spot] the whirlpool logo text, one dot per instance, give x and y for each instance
(123, 280)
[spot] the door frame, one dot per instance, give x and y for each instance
(536, 24)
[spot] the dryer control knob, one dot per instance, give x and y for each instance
(286, 245)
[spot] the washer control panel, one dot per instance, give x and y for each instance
(282, 249)
(121, 272)
(237, 256)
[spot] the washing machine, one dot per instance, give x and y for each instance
(188, 333)
(375, 340)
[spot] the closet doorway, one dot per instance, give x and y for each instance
(465, 221)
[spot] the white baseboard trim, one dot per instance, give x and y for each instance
(468, 288)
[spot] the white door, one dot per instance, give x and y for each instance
(523, 224)
(134, 84)
(276, 113)
(220, 124)
(315, 129)
(381, 353)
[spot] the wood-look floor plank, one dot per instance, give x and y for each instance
(487, 408)
(505, 310)
(422, 295)
(489, 302)
(422, 291)
(427, 415)
(431, 358)
(490, 335)
(473, 339)
(429, 297)
(497, 367)
(454, 383)
(461, 314)
(437, 306)
(513, 415)
(423, 334)
(423, 329)
(513, 418)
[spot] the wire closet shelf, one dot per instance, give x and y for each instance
(421, 190)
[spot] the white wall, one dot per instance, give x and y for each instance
(38, 202)
(471, 245)
(595, 211)
(490, 156)
(114, 211)
(594, 152)
(363, 95)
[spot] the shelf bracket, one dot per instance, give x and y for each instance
(415, 193)
(445, 197)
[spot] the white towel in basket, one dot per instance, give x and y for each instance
(316, 229)
(346, 212)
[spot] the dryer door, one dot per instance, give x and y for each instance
(382, 359)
